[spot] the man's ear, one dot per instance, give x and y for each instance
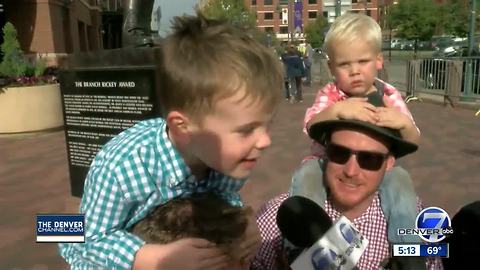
(379, 61)
(178, 125)
(390, 162)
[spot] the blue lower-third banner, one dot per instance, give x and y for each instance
(60, 228)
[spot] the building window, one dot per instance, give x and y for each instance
(325, 14)
(369, 13)
(269, 29)
(268, 2)
(254, 2)
(312, 2)
(268, 16)
(354, 1)
(283, 29)
(81, 36)
(312, 14)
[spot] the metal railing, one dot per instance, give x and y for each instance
(447, 77)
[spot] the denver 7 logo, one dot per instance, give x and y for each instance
(433, 223)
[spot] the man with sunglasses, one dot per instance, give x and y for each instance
(357, 156)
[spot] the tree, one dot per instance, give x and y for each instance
(315, 31)
(236, 13)
(13, 63)
(455, 16)
(233, 11)
(414, 19)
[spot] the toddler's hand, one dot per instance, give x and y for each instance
(391, 117)
(357, 108)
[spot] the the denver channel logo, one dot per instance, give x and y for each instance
(432, 225)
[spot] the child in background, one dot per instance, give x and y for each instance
(218, 89)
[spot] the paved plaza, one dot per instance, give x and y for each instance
(34, 173)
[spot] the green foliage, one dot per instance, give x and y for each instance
(233, 11)
(315, 31)
(414, 19)
(236, 13)
(455, 17)
(421, 18)
(13, 63)
(40, 67)
(15, 66)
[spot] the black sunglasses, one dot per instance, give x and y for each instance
(367, 160)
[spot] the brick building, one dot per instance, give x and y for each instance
(368, 7)
(54, 28)
(276, 16)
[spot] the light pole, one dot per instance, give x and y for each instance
(338, 8)
(290, 19)
(471, 44)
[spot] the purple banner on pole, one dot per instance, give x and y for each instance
(297, 18)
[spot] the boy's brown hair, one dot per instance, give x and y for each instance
(204, 215)
(205, 60)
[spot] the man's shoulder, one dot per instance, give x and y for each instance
(266, 215)
(273, 204)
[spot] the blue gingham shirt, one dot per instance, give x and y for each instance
(134, 172)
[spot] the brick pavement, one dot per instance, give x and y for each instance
(34, 174)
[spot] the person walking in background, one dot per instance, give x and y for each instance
(295, 71)
(307, 62)
(285, 77)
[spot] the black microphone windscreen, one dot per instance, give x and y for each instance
(464, 249)
(301, 221)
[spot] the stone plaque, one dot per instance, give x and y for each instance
(102, 97)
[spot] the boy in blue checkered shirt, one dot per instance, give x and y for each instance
(218, 90)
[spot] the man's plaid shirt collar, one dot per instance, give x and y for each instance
(373, 211)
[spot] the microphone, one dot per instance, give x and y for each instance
(306, 225)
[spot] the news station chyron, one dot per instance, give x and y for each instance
(60, 228)
(432, 226)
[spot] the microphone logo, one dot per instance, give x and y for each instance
(347, 232)
(324, 258)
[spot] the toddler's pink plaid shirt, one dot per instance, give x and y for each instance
(331, 94)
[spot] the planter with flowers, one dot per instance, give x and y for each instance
(30, 97)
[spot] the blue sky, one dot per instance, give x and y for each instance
(171, 8)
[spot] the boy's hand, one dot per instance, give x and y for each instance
(187, 253)
(250, 242)
(357, 108)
